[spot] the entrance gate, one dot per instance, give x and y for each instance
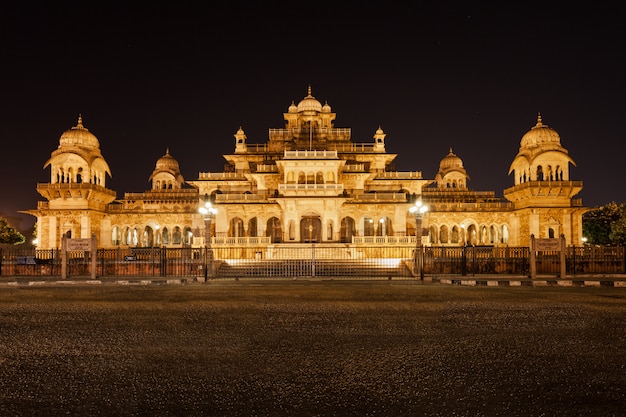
(546, 254)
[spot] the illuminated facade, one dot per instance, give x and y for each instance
(309, 183)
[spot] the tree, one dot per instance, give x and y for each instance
(618, 229)
(10, 235)
(605, 225)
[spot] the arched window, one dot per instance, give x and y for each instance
(539, 173)
(310, 229)
(384, 227)
(504, 234)
(188, 236)
(493, 234)
(148, 237)
(432, 234)
(274, 230)
(177, 236)
(347, 230)
(253, 227)
(454, 237)
(443, 234)
(236, 227)
(369, 227)
(126, 236)
(116, 236)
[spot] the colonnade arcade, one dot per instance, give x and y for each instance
(471, 234)
(151, 235)
(311, 229)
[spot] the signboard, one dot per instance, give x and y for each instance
(26, 260)
(79, 244)
(548, 244)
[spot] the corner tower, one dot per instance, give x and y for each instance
(543, 193)
(76, 194)
(78, 172)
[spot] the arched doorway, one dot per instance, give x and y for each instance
(348, 229)
(310, 229)
(274, 230)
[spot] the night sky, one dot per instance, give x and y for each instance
(186, 76)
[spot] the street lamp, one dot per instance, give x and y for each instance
(312, 248)
(208, 212)
(418, 211)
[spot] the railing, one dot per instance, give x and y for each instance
(384, 240)
(231, 197)
(330, 133)
(311, 187)
(381, 197)
(221, 176)
(313, 154)
(399, 175)
(546, 184)
(291, 260)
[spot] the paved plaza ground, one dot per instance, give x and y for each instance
(312, 348)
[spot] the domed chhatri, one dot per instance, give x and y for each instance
(166, 174)
(310, 182)
(540, 135)
(451, 172)
(541, 156)
(79, 135)
(78, 158)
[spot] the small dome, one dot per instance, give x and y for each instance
(167, 174)
(326, 108)
(167, 163)
(450, 161)
(80, 136)
(540, 134)
(293, 108)
(309, 103)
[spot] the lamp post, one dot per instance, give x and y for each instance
(208, 212)
(312, 248)
(418, 211)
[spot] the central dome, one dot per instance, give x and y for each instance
(309, 103)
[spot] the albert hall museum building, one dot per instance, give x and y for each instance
(308, 183)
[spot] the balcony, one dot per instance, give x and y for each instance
(310, 189)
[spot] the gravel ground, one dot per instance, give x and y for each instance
(312, 349)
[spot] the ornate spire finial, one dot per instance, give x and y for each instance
(539, 122)
(80, 121)
(167, 151)
(309, 90)
(450, 149)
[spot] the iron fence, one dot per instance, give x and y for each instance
(310, 260)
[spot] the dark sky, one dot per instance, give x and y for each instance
(185, 76)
